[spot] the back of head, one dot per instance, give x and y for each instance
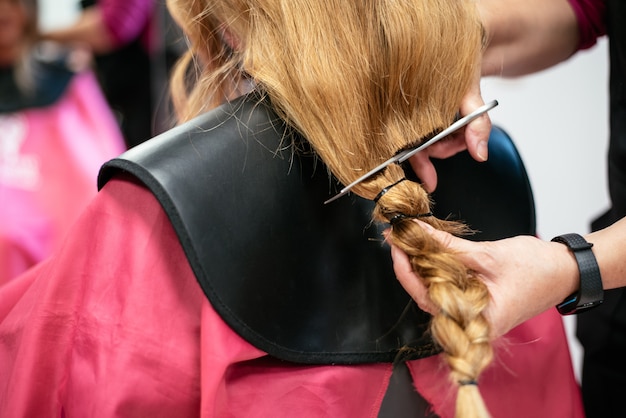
(361, 80)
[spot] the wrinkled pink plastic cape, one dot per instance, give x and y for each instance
(49, 161)
(115, 325)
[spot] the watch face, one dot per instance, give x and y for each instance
(568, 306)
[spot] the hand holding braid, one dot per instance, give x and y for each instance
(459, 327)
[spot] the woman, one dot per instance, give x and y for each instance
(55, 131)
(293, 315)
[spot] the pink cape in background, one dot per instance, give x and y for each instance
(49, 160)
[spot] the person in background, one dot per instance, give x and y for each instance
(132, 59)
(525, 37)
(208, 277)
(55, 131)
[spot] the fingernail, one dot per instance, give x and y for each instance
(482, 151)
(426, 226)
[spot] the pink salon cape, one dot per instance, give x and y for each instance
(49, 161)
(116, 325)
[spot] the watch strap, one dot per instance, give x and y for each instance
(591, 293)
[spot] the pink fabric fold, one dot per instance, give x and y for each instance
(531, 375)
(49, 161)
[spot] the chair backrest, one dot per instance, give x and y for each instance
(494, 197)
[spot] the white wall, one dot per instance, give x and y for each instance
(57, 13)
(559, 121)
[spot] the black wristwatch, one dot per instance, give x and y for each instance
(591, 293)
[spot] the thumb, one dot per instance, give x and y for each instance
(444, 238)
(410, 281)
(469, 252)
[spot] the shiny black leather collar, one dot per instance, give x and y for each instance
(303, 281)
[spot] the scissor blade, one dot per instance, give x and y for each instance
(449, 130)
(406, 154)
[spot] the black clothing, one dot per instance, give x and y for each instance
(602, 330)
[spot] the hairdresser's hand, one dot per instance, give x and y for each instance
(473, 137)
(525, 276)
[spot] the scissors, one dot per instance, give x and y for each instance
(408, 153)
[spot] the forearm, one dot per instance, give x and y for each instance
(609, 247)
(526, 36)
(90, 30)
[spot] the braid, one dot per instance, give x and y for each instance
(459, 327)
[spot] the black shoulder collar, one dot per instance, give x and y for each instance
(303, 281)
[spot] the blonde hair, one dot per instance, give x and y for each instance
(361, 80)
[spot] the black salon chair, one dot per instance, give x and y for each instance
(494, 197)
